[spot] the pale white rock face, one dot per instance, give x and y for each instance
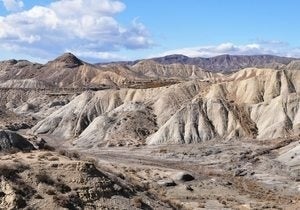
(129, 123)
(274, 125)
(25, 84)
(76, 116)
(199, 121)
(288, 155)
(63, 121)
(251, 103)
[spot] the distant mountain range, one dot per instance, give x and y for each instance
(67, 71)
(222, 63)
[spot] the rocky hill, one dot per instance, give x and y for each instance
(66, 71)
(240, 105)
(48, 180)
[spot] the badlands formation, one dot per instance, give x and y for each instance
(163, 133)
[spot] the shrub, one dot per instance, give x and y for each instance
(71, 201)
(137, 202)
(44, 178)
(63, 201)
(53, 158)
(63, 188)
(48, 147)
(11, 151)
(50, 192)
(70, 155)
(11, 172)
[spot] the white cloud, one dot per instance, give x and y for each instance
(81, 25)
(260, 47)
(13, 5)
(98, 56)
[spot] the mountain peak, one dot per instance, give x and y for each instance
(169, 59)
(68, 60)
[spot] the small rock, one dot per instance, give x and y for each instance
(54, 165)
(240, 172)
(183, 176)
(228, 183)
(117, 187)
(189, 188)
(57, 103)
(40, 142)
(166, 183)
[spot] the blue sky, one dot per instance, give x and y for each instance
(104, 30)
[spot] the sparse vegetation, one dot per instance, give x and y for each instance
(70, 201)
(48, 148)
(53, 158)
(137, 202)
(70, 154)
(163, 150)
(11, 171)
(42, 177)
(50, 191)
(63, 188)
(11, 151)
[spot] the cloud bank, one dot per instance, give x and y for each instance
(255, 48)
(85, 26)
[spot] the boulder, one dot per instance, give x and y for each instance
(11, 140)
(183, 176)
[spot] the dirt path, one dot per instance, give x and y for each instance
(244, 188)
(214, 166)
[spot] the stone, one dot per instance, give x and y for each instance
(166, 182)
(183, 176)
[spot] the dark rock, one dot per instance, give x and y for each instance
(189, 188)
(228, 183)
(212, 152)
(11, 140)
(40, 143)
(57, 103)
(166, 183)
(183, 176)
(18, 126)
(240, 172)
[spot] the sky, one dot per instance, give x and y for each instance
(112, 30)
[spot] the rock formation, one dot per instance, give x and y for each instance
(11, 140)
(240, 105)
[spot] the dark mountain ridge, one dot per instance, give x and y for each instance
(221, 63)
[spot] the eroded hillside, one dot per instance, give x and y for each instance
(146, 123)
(236, 106)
